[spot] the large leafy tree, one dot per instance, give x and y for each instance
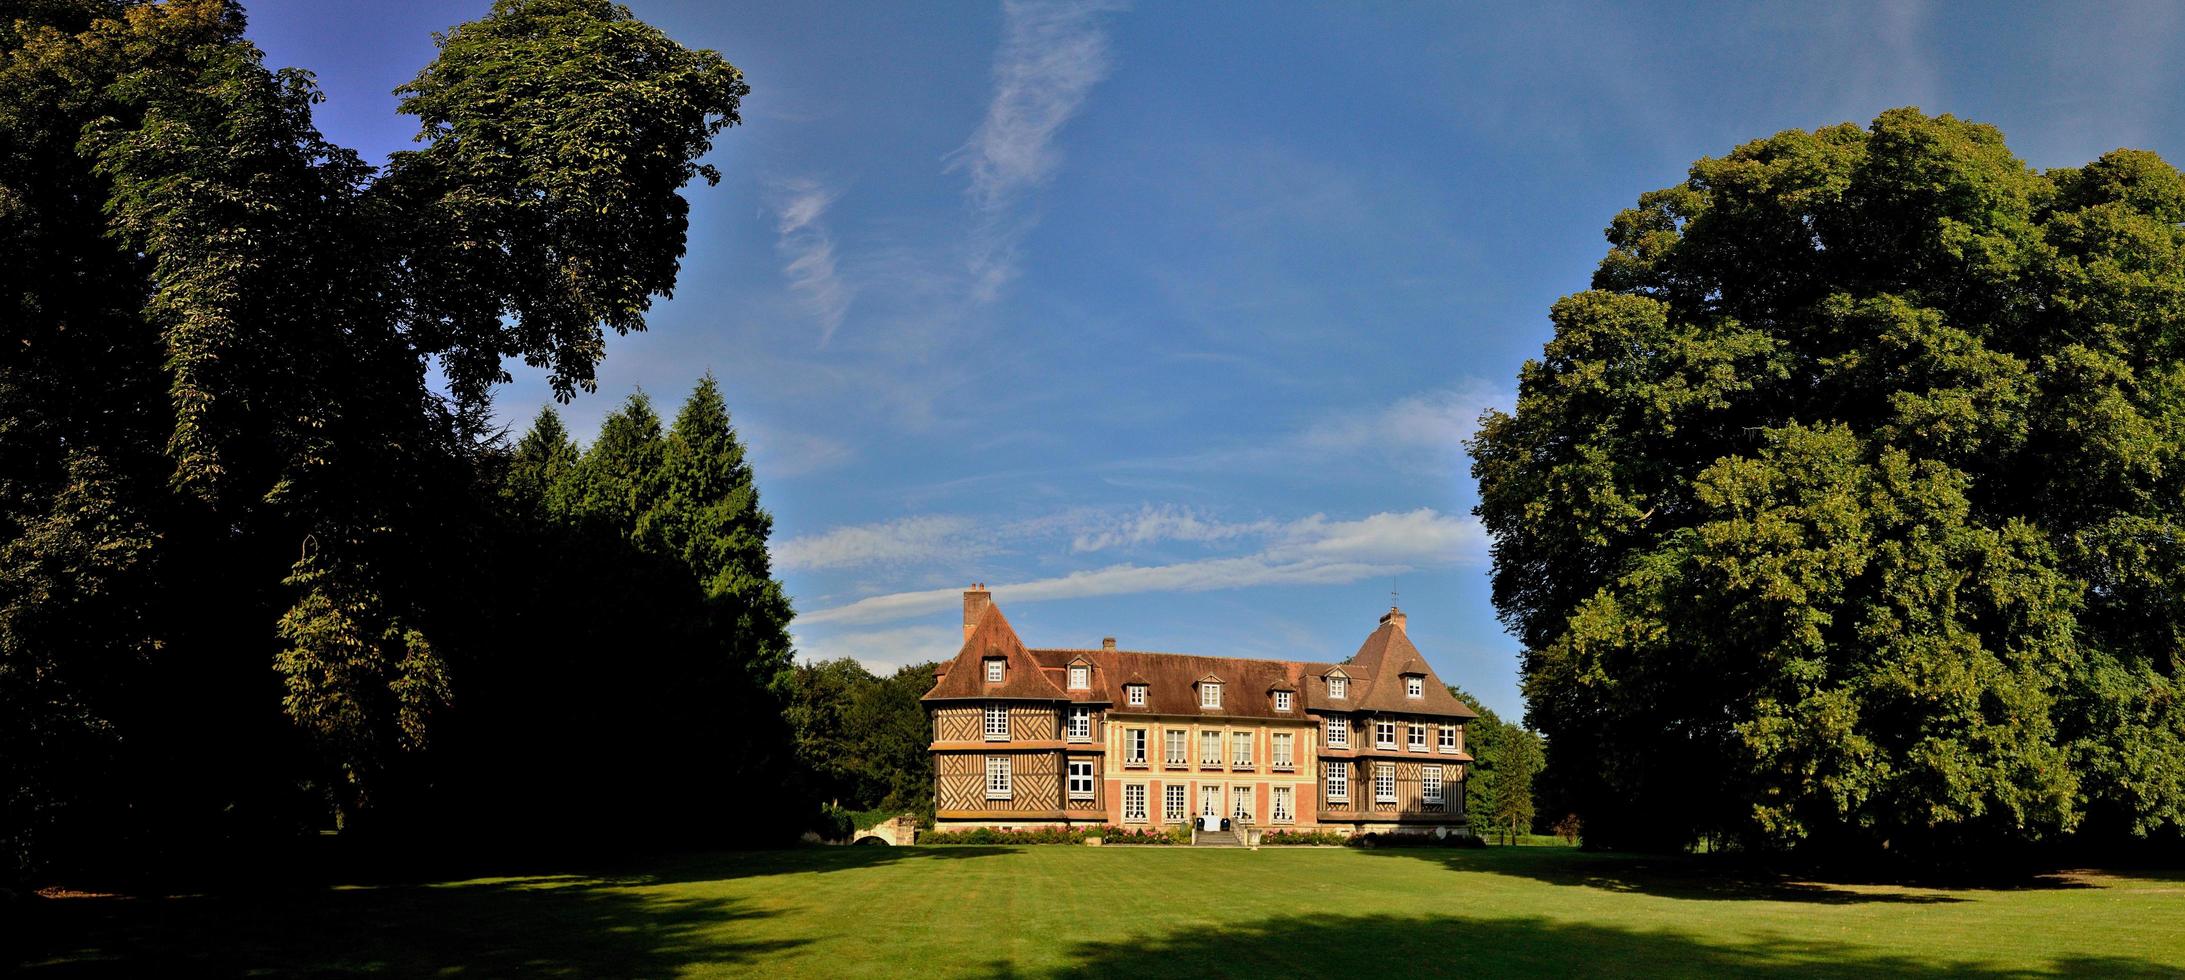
(1845, 510)
(234, 508)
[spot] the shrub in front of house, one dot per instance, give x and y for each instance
(1147, 835)
(1303, 838)
(988, 835)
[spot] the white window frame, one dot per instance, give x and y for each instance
(1282, 700)
(1134, 746)
(1278, 805)
(997, 723)
(1210, 749)
(1081, 769)
(997, 777)
(1335, 777)
(1384, 782)
(1339, 687)
(1134, 803)
(1175, 802)
(996, 669)
(1175, 747)
(1240, 750)
(1449, 739)
(1338, 730)
(1240, 803)
(1414, 686)
(1384, 734)
(1415, 738)
(1080, 677)
(1135, 694)
(1210, 694)
(1209, 800)
(1280, 754)
(1080, 725)
(1430, 784)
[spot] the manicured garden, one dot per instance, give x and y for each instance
(1133, 912)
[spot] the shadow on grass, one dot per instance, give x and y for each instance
(1710, 878)
(1390, 945)
(534, 924)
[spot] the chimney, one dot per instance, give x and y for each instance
(1107, 643)
(1394, 616)
(976, 599)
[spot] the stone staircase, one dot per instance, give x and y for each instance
(1233, 837)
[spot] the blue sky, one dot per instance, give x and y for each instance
(1168, 320)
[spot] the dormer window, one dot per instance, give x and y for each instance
(994, 669)
(1338, 686)
(1210, 694)
(1080, 677)
(1414, 686)
(1135, 694)
(1282, 700)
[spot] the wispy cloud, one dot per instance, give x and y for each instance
(883, 651)
(1427, 429)
(1312, 551)
(783, 453)
(808, 252)
(1051, 56)
(910, 539)
(1168, 523)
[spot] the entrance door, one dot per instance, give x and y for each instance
(1210, 801)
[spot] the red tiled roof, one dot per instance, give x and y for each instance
(993, 637)
(1171, 679)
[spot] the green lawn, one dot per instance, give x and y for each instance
(1130, 913)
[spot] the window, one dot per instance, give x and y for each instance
(993, 670)
(1414, 686)
(1240, 803)
(997, 723)
(1135, 694)
(1384, 782)
(1280, 805)
(1241, 749)
(1210, 801)
(1282, 700)
(1338, 733)
(997, 777)
(1210, 695)
(1430, 783)
(1175, 745)
(1417, 740)
(1134, 803)
(1080, 677)
(1081, 779)
(1449, 738)
(1384, 734)
(1134, 747)
(1080, 724)
(1338, 687)
(1173, 803)
(1338, 779)
(1210, 749)
(1279, 750)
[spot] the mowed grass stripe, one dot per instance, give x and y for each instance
(1135, 912)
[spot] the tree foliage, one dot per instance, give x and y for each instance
(1844, 511)
(239, 526)
(1498, 790)
(863, 739)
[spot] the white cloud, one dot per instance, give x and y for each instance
(1427, 429)
(883, 651)
(1155, 524)
(808, 249)
(907, 540)
(1312, 551)
(1051, 56)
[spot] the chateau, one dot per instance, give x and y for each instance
(1025, 737)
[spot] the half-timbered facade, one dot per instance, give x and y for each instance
(1035, 737)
